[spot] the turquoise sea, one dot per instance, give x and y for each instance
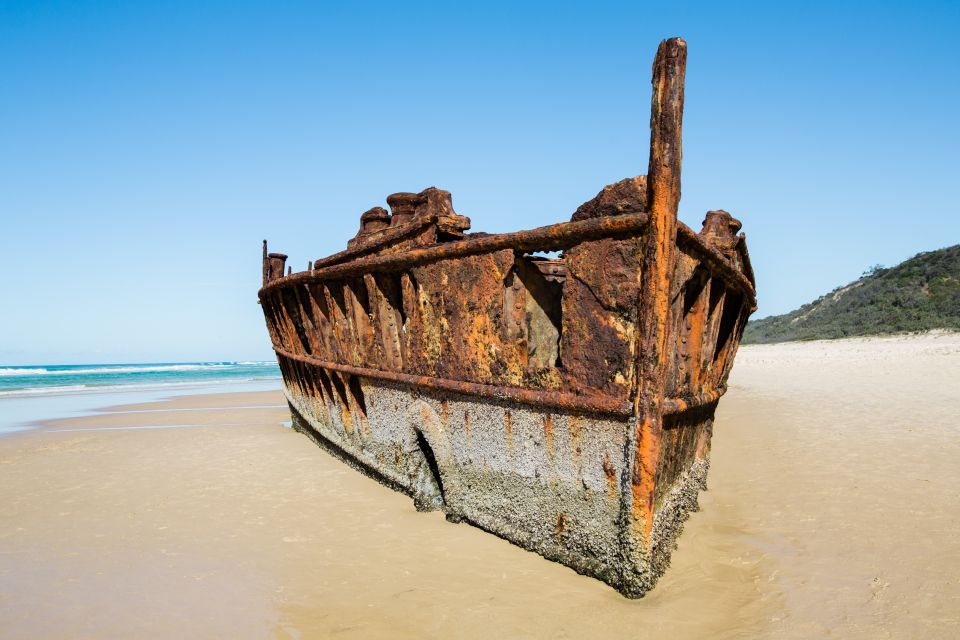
(38, 392)
(97, 378)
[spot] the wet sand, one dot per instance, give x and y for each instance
(833, 510)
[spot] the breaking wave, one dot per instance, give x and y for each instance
(69, 379)
(76, 370)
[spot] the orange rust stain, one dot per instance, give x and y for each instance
(575, 427)
(365, 429)
(703, 442)
(481, 332)
(698, 321)
(466, 422)
(508, 428)
(662, 298)
(561, 525)
(444, 412)
(548, 432)
(611, 475)
(425, 413)
(643, 481)
(347, 419)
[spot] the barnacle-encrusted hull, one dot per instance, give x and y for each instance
(565, 404)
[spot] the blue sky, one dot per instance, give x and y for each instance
(146, 149)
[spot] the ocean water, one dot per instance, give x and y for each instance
(27, 381)
(29, 394)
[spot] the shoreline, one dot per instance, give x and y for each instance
(830, 509)
(19, 414)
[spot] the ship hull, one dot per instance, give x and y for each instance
(555, 386)
(546, 480)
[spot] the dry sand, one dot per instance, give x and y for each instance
(833, 510)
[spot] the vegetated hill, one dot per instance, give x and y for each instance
(919, 294)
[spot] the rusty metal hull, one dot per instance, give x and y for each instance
(564, 403)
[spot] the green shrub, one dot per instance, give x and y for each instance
(920, 294)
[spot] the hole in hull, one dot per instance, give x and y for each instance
(357, 392)
(429, 494)
(728, 320)
(543, 316)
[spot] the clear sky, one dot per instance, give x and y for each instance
(147, 148)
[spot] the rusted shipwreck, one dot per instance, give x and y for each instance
(565, 403)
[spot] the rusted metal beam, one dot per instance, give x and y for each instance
(663, 184)
(386, 236)
(721, 266)
(672, 406)
(549, 238)
(564, 401)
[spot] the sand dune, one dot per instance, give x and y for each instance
(833, 510)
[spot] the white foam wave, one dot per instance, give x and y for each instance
(160, 368)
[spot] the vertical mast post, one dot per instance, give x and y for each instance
(663, 197)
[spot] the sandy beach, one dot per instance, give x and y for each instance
(832, 512)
